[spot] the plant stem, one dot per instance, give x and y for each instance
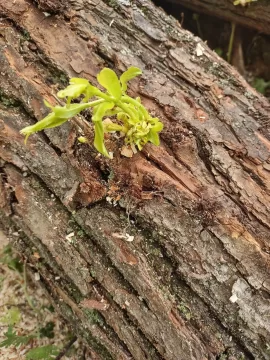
(25, 288)
(230, 49)
(94, 103)
(66, 348)
(124, 107)
(135, 103)
(196, 18)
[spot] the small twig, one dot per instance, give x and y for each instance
(196, 18)
(66, 348)
(32, 306)
(14, 305)
(84, 126)
(84, 354)
(230, 49)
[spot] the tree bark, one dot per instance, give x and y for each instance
(255, 15)
(161, 256)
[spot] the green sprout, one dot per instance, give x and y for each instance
(129, 116)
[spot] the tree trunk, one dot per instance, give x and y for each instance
(255, 15)
(161, 256)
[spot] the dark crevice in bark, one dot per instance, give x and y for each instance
(249, 215)
(47, 140)
(46, 265)
(182, 286)
(204, 154)
(96, 248)
(65, 283)
(46, 261)
(55, 75)
(77, 324)
(230, 332)
(205, 157)
(176, 274)
(255, 177)
(105, 57)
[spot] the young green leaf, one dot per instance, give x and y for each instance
(63, 112)
(109, 80)
(153, 138)
(75, 89)
(47, 352)
(99, 139)
(158, 126)
(131, 73)
(91, 91)
(58, 117)
(49, 121)
(99, 112)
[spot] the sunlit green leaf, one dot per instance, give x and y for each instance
(75, 89)
(57, 117)
(47, 352)
(78, 81)
(99, 139)
(158, 126)
(64, 112)
(109, 80)
(131, 73)
(49, 121)
(153, 138)
(91, 91)
(99, 112)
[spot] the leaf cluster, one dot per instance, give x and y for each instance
(129, 116)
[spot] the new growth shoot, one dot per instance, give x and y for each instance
(128, 115)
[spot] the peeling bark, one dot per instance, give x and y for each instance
(255, 15)
(194, 282)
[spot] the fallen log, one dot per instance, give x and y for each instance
(255, 15)
(164, 255)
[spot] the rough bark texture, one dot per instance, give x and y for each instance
(255, 15)
(194, 282)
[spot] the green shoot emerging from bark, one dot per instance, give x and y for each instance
(130, 117)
